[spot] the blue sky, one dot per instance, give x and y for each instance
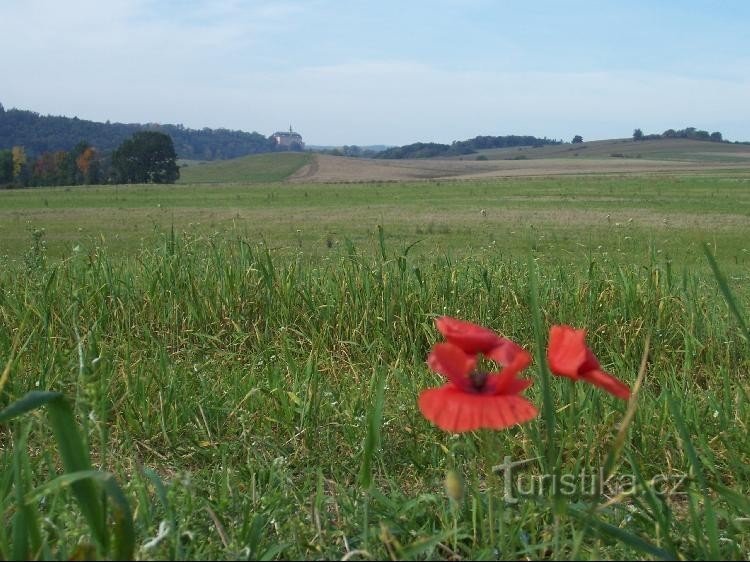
(384, 72)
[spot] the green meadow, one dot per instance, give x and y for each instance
(231, 371)
(561, 220)
(258, 168)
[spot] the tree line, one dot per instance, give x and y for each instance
(686, 133)
(38, 134)
(458, 148)
(146, 157)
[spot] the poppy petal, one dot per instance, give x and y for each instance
(454, 410)
(451, 362)
(590, 363)
(566, 351)
(514, 360)
(508, 352)
(516, 386)
(471, 338)
(609, 383)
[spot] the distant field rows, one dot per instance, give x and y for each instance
(562, 219)
(337, 169)
(620, 157)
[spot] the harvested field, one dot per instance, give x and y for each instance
(340, 169)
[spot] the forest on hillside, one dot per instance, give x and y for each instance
(457, 148)
(39, 134)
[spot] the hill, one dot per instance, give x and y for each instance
(47, 133)
(458, 148)
(619, 156)
(252, 169)
(672, 149)
(600, 157)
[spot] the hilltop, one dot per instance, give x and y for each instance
(671, 149)
(48, 133)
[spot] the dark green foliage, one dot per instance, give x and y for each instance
(577, 139)
(687, 133)
(352, 151)
(6, 166)
(423, 150)
(148, 157)
(457, 148)
(40, 133)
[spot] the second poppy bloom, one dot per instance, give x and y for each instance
(569, 356)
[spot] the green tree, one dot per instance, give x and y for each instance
(147, 157)
(6, 167)
(577, 139)
(637, 135)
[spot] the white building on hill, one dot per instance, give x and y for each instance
(289, 140)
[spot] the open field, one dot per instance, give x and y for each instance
(564, 219)
(258, 168)
(682, 150)
(338, 169)
(619, 157)
(245, 361)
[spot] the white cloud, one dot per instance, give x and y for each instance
(216, 64)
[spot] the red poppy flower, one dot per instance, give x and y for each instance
(569, 356)
(474, 399)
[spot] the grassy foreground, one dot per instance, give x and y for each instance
(252, 404)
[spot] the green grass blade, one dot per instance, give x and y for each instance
(75, 459)
(122, 529)
(372, 439)
(548, 408)
(739, 501)
(381, 242)
(26, 532)
(619, 442)
(31, 401)
(60, 483)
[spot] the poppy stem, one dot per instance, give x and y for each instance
(488, 448)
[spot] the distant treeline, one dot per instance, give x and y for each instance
(686, 133)
(81, 166)
(352, 151)
(146, 157)
(40, 134)
(457, 148)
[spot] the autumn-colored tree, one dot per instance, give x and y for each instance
(86, 164)
(19, 162)
(44, 170)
